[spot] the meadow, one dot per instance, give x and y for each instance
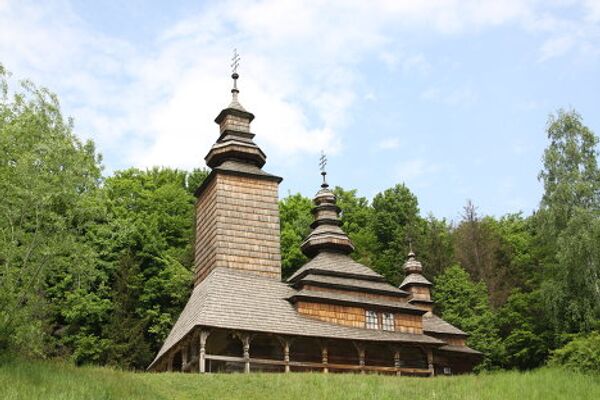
(51, 380)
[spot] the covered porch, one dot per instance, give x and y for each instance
(206, 350)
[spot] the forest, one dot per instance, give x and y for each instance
(95, 269)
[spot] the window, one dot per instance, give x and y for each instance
(371, 320)
(387, 320)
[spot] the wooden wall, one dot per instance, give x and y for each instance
(237, 226)
(336, 314)
(355, 316)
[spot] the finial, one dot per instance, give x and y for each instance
(235, 63)
(411, 253)
(322, 165)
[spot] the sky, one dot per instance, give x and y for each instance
(450, 97)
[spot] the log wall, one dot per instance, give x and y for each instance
(237, 226)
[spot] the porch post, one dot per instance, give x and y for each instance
(246, 348)
(324, 358)
(184, 354)
(201, 357)
(430, 362)
(286, 354)
(360, 348)
(397, 362)
(170, 361)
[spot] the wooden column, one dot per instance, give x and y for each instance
(430, 362)
(170, 361)
(246, 347)
(360, 348)
(286, 354)
(184, 356)
(397, 364)
(202, 354)
(324, 358)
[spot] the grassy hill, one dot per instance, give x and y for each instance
(52, 380)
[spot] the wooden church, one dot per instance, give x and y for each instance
(332, 315)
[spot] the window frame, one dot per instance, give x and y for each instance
(372, 320)
(388, 321)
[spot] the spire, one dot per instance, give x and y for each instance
(327, 233)
(412, 265)
(235, 64)
(414, 271)
(235, 140)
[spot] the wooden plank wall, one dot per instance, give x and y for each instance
(238, 226)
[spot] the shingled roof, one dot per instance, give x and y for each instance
(235, 300)
(413, 279)
(351, 284)
(341, 298)
(336, 264)
(434, 324)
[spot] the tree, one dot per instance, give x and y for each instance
(437, 251)
(295, 219)
(465, 304)
(48, 179)
(568, 224)
(357, 216)
(396, 222)
(146, 249)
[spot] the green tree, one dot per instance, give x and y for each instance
(568, 224)
(48, 179)
(357, 216)
(295, 219)
(146, 249)
(395, 223)
(465, 304)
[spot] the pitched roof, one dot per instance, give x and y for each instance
(459, 349)
(235, 300)
(433, 323)
(334, 263)
(342, 298)
(352, 283)
(415, 279)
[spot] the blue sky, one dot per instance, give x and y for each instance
(450, 97)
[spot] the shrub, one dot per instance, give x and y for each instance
(582, 353)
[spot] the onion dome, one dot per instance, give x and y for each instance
(414, 270)
(235, 141)
(327, 233)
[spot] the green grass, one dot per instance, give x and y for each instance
(54, 380)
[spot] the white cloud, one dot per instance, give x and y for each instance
(389, 143)
(454, 97)
(300, 67)
(415, 171)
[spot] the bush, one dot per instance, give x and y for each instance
(582, 354)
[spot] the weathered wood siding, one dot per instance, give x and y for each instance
(408, 323)
(237, 226)
(420, 292)
(341, 315)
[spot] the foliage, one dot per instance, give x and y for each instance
(465, 304)
(295, 217)
(580, 354)
(47, 177)
(568, 225)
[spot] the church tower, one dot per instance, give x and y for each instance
(416, 284)
(237, 211)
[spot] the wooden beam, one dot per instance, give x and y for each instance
(324, 358)
(350, 367)
(430, 362)
(202, 353)
(397, 362)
